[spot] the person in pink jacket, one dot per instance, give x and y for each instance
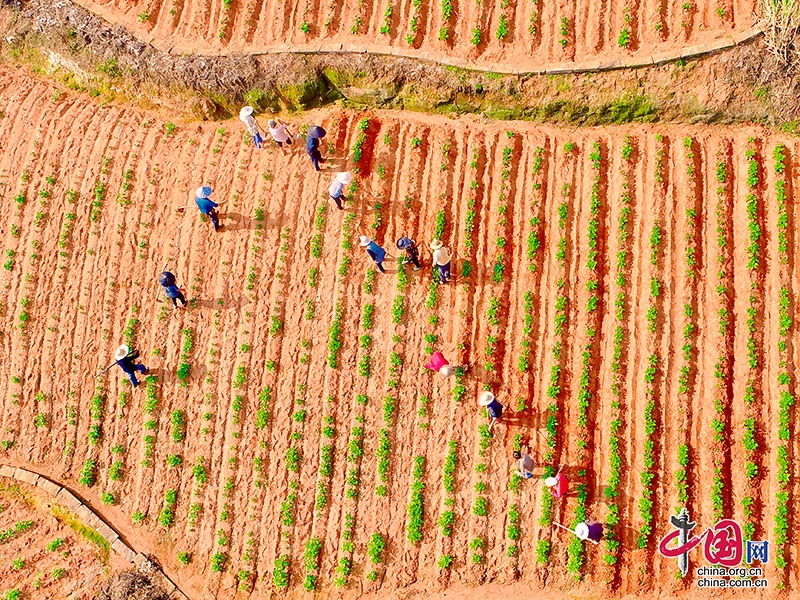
(439, 364)
(558, 485)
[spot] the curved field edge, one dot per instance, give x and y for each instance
(264, 452)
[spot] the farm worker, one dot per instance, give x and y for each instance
(315, 133)
(439, 364)
(167, 281)
(493, 407)
(207, 206)
(375, 252)
(126, 361)
(280, 133)
(412, 252)
(246, 117)
(336, 190)
(441, 258)
(526, 464)
(557, 484)
(590, 530)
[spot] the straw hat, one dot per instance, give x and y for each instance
(485, 399)
(344, 177)
(582, 531)
(247, 110)
(436, 244)
(365, 241)
(203, 192)
(550, 481)
(271, 123)
(121, 352)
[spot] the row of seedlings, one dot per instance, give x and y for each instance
(589, 356)
(723, 368)
(535, 258)
(325, 470)
(355, 442)
(653, 370)
(560, 322)
(252, 418)
(688, 372)
(618, 363)
(786, 397)
(753, 397)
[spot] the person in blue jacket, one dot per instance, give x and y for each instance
(171, 290)
(127, 362)
(375, 252)
(207, 206)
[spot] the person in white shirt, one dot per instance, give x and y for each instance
(441, 258)
(336, 190)
(246, 117)
(279, 133)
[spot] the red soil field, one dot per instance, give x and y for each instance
(512, 35)
(627, 293)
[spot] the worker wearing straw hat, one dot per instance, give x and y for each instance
(492, 406)
(206, 205)
(557, 484)
(127, 362)
(587, 530)
(246, 117)
(375, 252)
(441, 259)
(336, 190)
(280, 133)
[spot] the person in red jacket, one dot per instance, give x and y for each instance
(557, 484)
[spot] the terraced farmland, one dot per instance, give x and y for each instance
(510, 35)
(627, 293)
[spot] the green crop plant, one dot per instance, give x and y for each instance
(262, 412)
(416, 508)
(335, 336)
(475, 39)
(88, 473)
(383, 454)
(177, 426)
(167, 516)
(564, 32)
(199, 471)
(293, 459)
(218, 561)
(502, 27)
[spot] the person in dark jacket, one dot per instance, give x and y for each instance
(412, 251)
(375, 252)
(207, 206)
(171, 290)
(127, 362)
(312, 147)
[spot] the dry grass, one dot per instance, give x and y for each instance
(780, 20)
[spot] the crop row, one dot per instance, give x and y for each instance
(719, 423)
(554, 382)
(785, 380)
(575, 548)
